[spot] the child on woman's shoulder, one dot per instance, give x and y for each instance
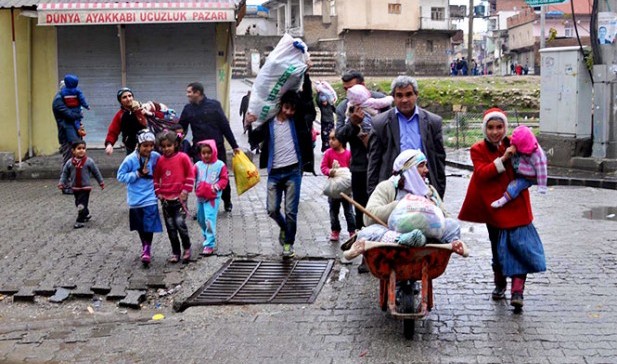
(529, 162)
(211, 178)
(136, 172)
(337, 156)
(173, 181)
(78, 170)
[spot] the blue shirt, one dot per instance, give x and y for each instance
(410, 130)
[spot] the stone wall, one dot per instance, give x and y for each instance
(393, 53)
(315, 29)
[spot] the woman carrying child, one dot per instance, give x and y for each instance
(211, 178)
(136, 172)
(515, 244)
(173, 181)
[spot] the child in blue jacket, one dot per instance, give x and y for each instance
(74, 98)
(136, 172)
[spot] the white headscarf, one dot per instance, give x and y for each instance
(407, 165)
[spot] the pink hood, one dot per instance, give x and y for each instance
(524, 140)
(212, 144)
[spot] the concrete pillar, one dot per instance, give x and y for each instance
(288, 16)
(301, 17)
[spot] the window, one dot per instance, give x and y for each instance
(438, 13)
(569, 32)
(429, 45)
(394, 8)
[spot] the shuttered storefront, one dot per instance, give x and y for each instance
(161, 59)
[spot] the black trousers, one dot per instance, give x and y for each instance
(81, 202)
(175, 222)
(360, 194)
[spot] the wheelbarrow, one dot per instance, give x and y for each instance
(392, 263)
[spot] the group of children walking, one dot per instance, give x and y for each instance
(166, 175)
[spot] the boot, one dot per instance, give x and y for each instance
(518, 287)
(145, 254)
(499, 293)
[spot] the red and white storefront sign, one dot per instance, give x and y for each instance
(135, 13)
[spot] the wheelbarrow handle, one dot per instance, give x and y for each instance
(361, 208)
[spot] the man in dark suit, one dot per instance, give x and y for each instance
(407, 126)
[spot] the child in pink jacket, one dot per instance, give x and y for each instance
(529, 163)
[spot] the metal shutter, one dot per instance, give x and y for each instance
(93, 54)
(163, 58)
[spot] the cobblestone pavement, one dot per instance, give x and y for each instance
(569, 311)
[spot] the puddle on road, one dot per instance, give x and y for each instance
(601, 213)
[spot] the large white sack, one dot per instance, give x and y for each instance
(283, 70)
(417, 212)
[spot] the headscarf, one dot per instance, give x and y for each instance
(212, 144)
(122, 91)
(406, 165)
(145, 135)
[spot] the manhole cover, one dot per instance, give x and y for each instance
(248, 281)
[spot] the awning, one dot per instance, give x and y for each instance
(131, 12)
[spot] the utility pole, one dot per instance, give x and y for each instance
(470, 36)
(542, 24)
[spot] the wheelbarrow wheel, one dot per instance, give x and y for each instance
(409, 327)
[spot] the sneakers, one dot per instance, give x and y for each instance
(499, 293)
(207, 251)
(174, 259)
(186, 257)
(516, 301)
(334, 235)
(282, 237)
(352, 234)
(78, 225)
(288, 251)
(229, 207)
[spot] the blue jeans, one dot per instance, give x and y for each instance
(286, 180)
(518, 185)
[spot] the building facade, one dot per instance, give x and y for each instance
(154, 48)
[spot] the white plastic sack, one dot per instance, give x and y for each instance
(417, 212)
(283, 70)
(324, 87)
(340, 182)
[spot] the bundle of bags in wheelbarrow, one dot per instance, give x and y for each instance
(414, 220)
(283, 70)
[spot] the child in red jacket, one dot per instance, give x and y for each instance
(173, 181)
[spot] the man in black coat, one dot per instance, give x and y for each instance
(208, 121)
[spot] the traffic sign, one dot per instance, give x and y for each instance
(543, 2)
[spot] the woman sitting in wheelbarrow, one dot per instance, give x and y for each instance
(409, 175)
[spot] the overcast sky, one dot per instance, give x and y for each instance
(479, 24)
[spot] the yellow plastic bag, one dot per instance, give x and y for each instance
(245, 172)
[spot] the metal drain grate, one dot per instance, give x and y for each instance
(247, 281)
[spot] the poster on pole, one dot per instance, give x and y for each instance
(607, 27)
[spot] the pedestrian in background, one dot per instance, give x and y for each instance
(337, 156)
(244, 106)
(74, 99)
(136, 172)
(211, 178)
(173, 181)
(207, 120)
(515, 244)
(67, 134)
(327, 112)
(77, 172)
